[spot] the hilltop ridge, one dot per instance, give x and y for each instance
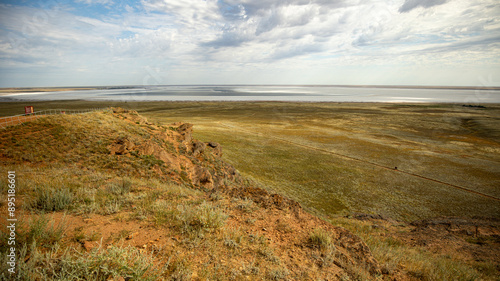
(116, 184)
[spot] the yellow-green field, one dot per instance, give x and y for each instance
(337, 158)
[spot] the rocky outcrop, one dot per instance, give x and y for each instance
(185, 131)
(175, 153)
(216, 148)
(130, 115)
(201, 176)
(121, 146)
(198, 147)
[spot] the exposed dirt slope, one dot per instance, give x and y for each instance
(279, 219)
(157, 189)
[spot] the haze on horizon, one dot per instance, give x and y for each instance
(158, 42)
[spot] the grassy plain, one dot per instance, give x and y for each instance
(337, 158)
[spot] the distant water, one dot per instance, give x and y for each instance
(270, 93)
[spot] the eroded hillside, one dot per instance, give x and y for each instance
(110, 195)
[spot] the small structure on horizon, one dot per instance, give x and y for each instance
(28, 109)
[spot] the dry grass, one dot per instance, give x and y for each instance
(284, 146)
(324, 183)
(419, 263)
(125, 262)
(321, 238)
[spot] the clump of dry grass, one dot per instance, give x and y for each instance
(204, 217)
(321, 238)
(394, 255)
(50, 199)
(127, 262)
(39, 229)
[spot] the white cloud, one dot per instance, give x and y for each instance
(258, 37)
(100, 2)
(190, 13)
(412, 4)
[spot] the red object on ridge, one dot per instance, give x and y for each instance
(28, 109)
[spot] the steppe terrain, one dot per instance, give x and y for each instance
(403, 161)
(418, 183)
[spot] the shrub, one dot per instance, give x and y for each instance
(202, 217)
(50, 199)
(121, 188)
(129, 263)
(321, 238)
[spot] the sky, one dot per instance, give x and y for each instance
(174, 42)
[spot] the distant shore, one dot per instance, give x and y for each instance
(27, 90)
(249, 93)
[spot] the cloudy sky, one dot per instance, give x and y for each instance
(152, 42)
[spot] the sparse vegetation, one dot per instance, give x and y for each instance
(126, 262)
(121, 188)
(39, 229)
(419, 263)
(204, 217)
(278, 274)
(246, 205)
(50, 199)
(124, 209)
(321, 238)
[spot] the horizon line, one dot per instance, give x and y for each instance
(107, 87)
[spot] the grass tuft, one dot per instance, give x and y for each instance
(128, 263)
(40, 229)
(50, 199)
(278, 274)
(321, 238)
(203, 217)
(121, 188)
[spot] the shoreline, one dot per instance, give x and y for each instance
(28, 90)
(251, 93)
(16, 107)
(465, 104)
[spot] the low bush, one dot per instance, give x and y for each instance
(321, 238)
(50, 199)
(202, 217)
(128, 263)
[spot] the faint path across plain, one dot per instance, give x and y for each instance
(360, 160)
